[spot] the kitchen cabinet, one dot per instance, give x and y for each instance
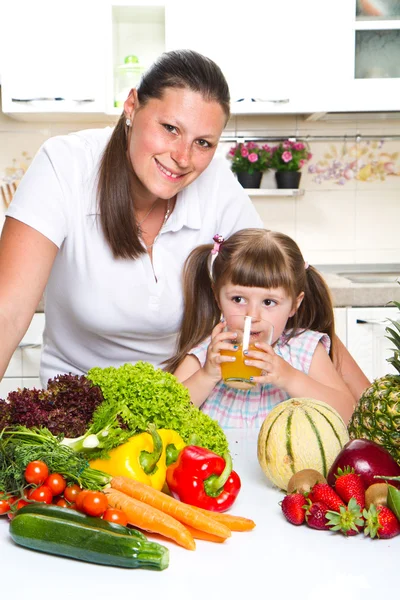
(266, 51)
(367, 341)
(23, 369)
(361, 57)
(55, 58)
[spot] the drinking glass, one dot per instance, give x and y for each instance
(249, 330)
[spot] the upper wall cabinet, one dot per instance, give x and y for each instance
(55, 58)
(265, 49)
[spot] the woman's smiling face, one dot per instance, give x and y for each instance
(274, 306)
(171, 140)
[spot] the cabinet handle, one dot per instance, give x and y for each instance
(275, 101)
(51, 100)
(26, 345)
(370, 322)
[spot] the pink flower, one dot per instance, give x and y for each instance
(309, 156)
(266, 148)
(298, 146)
(251, 145)
(232, 151)
(286, 145)
(287, 156)
(244, 152)
(302, 163)
(253, 157)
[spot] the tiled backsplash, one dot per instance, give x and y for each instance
(351, 207)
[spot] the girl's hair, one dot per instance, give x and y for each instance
(251, 258)
(175, 69)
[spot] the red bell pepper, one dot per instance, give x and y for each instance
(204, 479)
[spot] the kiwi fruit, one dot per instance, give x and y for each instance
(304, 480)
(376, 494)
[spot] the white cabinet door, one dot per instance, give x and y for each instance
(266, 49)
(341, 324)
(55, 57)
(367, 341)
(23, 369)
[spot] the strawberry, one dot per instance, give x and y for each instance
(380, 521)
(293, 508)
(316, 515)
(348, 519)
(322, 492)
(349, 485)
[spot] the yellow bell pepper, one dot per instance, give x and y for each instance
(143, 457)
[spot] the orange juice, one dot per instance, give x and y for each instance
(237, 374)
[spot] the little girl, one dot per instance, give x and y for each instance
(263, 274)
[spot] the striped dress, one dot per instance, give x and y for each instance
(248, 408)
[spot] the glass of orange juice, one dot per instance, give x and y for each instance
(249, 330)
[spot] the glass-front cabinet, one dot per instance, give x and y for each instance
(367, 53)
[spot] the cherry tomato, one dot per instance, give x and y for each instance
(61, 502)
(79, 499)
(56, 483)
(36, 472)
(21, 503)
(41, 494)
(71, 492)
(94, 503)
(4, 506)
(115, 516)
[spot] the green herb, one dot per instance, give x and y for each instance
(136, 395)
(20, 445)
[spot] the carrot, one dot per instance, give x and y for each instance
(203, 535)
(232, 521)
(151, 519)
(179, 510)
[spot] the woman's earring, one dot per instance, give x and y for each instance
(128, 122)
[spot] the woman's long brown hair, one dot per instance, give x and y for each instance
(252, 258)
(179, 69)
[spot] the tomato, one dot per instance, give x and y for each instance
(41, 494)
(79, 499)
(71, 492)
(21, 503)
(94, 503)
(4, 506)
(61, 502)
(36, 472)
(115, 516)
(56, 483)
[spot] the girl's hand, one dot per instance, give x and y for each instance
(218, 342)
(274, 368)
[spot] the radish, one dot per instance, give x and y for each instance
(368, 459)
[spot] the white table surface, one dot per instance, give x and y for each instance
(275, 560)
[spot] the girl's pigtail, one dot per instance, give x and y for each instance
(316, 310)
(200, 312)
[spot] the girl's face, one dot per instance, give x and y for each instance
(272, 305)
(171, 140)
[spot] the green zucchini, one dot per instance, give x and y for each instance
(63, 535)
(74, 515)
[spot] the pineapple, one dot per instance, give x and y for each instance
(377, 414)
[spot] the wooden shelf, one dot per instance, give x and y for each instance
(273, 192)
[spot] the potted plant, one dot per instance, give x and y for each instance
(249, 162)
(287, 159)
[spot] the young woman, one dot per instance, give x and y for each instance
(105, 218)
(262, 274)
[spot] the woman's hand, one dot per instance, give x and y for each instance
(274, 369)
(218, 342)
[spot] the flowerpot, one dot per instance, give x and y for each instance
(250, 180)
(288, 179)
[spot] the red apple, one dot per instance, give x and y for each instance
(367, 459)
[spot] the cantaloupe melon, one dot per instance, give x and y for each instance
(300, 433)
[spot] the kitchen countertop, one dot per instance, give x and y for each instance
(277, 558)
